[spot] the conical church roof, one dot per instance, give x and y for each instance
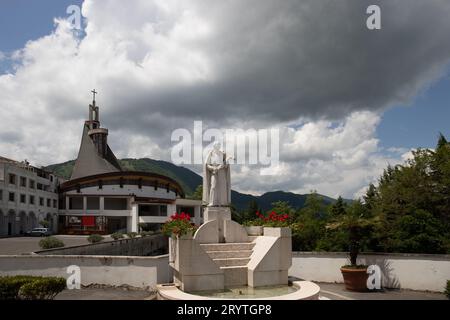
(95, 156)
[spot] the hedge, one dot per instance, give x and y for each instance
(42, 289)
(30, 287)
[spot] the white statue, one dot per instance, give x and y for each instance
(216, 178)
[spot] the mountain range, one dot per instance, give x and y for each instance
(189, 181)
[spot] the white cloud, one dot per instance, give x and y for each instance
(333, 159)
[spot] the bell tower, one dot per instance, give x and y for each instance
(94, 118)
(98, 135)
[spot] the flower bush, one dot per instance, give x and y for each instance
(178, 225)
(272, 219)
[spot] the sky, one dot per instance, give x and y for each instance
(348, 100)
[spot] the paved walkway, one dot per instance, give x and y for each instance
(104, 294)
(337, 291)
(23, 245)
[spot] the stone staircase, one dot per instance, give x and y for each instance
(232, 258)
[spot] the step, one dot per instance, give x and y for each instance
(230, 254)
(227, 246)
(235, 276)
(232, 262)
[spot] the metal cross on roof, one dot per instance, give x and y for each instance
(94, 93)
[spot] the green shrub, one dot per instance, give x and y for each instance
(94, 238)
(10, 286)
(447, 289)
(146, 233)
(117, 235)
(30, 287)
(132, 235)
(42, 289)
(50, 243)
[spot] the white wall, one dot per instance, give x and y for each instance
(406, 271)
(108, 270)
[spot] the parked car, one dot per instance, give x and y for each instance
(39, 232)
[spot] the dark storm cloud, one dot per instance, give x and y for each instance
(280, 60)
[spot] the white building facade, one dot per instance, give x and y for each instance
(125, 201)
(28, 196)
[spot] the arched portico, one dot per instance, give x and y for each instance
(33, 223)
(3, 227)
(23, 222)
(11, 228)
(49, 219)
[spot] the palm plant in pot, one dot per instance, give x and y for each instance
(356, 224)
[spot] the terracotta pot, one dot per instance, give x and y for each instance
(355, 279)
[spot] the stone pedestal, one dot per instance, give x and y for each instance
(220, 214)
(216, 213)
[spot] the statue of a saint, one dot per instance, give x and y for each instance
(216, 179)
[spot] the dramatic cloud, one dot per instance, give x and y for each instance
(333, 159)
(311, 66)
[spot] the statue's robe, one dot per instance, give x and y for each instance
(221, 196)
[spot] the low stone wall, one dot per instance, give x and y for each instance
(142, 246)
(137, 272)
(406, 271)
(426, 272)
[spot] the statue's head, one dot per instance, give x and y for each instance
(216, 146)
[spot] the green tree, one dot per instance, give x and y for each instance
(355, 226)
(338, 208)
(309, 227)
(370, 197)
(44, 223)
(250, 213)
(198, 193)
(419, 232)
(440, 172)
(282, 207)
(412, 203)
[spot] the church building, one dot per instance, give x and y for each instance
(101, 197)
